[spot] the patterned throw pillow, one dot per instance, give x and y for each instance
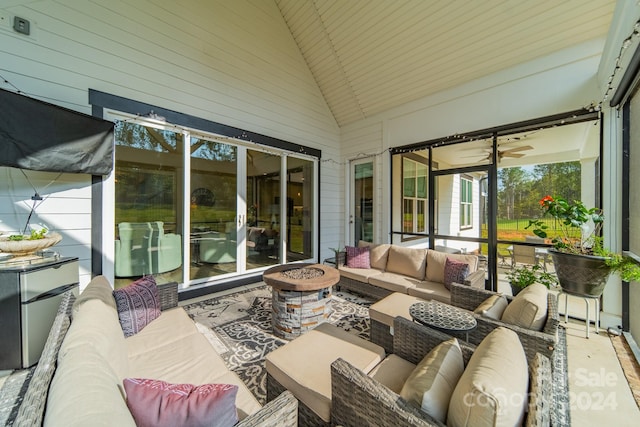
(358, 257)
(454, 271)
(158, 403)
(138, 304)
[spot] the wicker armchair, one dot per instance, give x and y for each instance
(543, 342)
(359, 400)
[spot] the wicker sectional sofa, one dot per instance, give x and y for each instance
(416, 272)
(78, 381)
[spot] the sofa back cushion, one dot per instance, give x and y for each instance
(95, 323)
(436, 261)
(378, 254)
(98, 288)
(408, 261)
(492, 391)
(529, 308)
(433, 380)
(86, 392)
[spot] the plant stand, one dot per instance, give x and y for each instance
(587, 299)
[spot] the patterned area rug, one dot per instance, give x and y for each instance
(239, 328)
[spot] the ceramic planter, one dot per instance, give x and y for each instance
(582, 275)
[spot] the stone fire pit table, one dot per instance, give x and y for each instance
(301, 297)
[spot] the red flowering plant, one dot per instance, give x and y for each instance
(572, 220)
(578, 232)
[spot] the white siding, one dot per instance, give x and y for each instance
(232, 62)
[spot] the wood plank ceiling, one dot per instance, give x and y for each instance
(369, 56)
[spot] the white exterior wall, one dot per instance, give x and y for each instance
(232, 62)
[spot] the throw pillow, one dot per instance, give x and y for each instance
(159, 403)
(492, 307)
(138, 304)
(529, 308)
(358, 257)
(454, 271)
(433, 380)
(492, 391)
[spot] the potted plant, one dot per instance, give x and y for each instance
(340, 255)
(525, 275)
(582, 264)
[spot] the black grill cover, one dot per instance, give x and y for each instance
(40, 136)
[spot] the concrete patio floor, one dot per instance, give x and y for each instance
(599, 392)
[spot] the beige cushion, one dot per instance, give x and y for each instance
(190, 359)
(393, 372)
(393, 282)
(529, 308)
(392, 306)
(408, 261)
(493, 388)
(433, 380)
(378, 254)
(303, 366)
(359, 274)
(86, 392)
(436, 261)
(431, 290)
(155, 335)
(96, 324)
(492, 307)
(98, 288)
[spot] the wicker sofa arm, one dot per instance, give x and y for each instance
(469, 297)
(412, 341)
(281, 411)
(168, 293)
(540, 392)
(359, 400)
(532, 341)
(31, 411)
(475, 279)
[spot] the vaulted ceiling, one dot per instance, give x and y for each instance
(369, 56)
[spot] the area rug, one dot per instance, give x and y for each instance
(239, 328)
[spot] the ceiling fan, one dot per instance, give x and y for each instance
(511, 152)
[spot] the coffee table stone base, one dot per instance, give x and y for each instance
(297, 312)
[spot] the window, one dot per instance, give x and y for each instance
(466, 203)
(414, 196)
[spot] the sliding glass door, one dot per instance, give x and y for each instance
(208, 202)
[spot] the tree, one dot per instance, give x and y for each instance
(511, 190)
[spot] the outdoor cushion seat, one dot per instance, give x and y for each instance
(394, 282)
(303, 366)
(431, 290)
(360, 274)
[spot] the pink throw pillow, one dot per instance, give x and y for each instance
(454, 271)
(158, 403)
(358, 257)
(138, 304)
